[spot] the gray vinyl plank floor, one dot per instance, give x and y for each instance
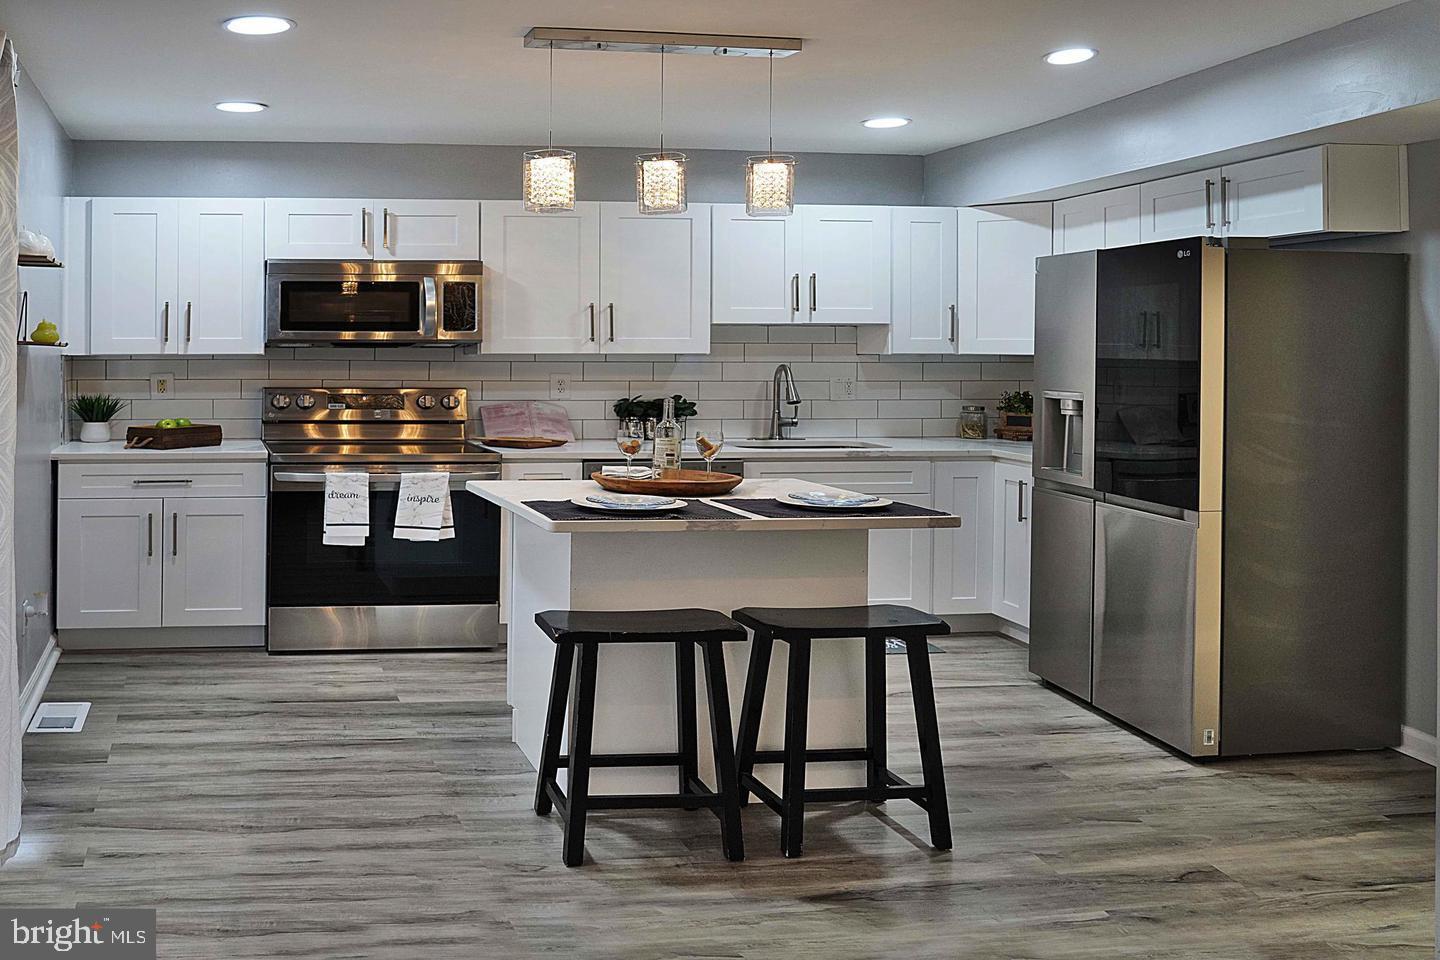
(374, 807)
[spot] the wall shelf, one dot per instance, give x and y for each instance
(34, 260)
(35, 343)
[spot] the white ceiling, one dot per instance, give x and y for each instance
(454, 71)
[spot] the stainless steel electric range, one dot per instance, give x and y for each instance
(388, 594)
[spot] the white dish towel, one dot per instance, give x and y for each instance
(347, 509)
(423, 512)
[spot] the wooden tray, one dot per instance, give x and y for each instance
(679, 483)
(522, 443)
(174, 438)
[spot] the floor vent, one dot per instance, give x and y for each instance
(59, 718)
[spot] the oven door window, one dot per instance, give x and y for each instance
(304, 572)
(370, 306)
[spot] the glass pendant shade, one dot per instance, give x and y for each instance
(660, 182)
(549, 180)
(770, 185)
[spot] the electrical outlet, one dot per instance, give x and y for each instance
(162, 386)
(559, 386)
(842, 388)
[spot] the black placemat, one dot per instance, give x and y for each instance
(767, 507)
(693, 510)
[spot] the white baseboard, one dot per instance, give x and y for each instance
(1417, 744)
(34, 690)
(986, 623)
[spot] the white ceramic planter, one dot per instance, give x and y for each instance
(95, 432)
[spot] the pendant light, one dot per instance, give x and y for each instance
(770, 179)
(549, 174)
(660, 177)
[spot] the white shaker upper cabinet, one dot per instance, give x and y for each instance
(319, 229)
(221, 277)
(924, 266)
(755, 275)
(133, 282)
(428, 230)
(998, 247)
(542, 278)
(1183, 206)
(1098, 221)
(845, 264)
(1274, 196)
(654, 280)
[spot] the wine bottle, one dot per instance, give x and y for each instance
(667, 442)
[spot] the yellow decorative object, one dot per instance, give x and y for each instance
(45, 332)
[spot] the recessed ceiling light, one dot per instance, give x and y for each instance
(258, 26)
(885, 123)
(1064, 58)
(241, 106)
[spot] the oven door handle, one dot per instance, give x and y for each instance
(430, 312)
(282, 479)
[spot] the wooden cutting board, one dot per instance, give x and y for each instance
(522, 443)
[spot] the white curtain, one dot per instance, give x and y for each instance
(10, 731)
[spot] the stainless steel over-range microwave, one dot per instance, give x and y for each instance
(376, 302)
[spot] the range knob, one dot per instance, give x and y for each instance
(280, 401)
(425, 401)
(449, 401)
(305, 401)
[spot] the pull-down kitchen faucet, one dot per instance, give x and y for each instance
(779, 424)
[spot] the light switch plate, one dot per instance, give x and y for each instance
(162, 386)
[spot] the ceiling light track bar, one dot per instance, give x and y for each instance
(648, 41)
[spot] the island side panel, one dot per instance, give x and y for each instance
(540, 580)
(722, 571)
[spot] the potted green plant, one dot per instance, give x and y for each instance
(95, 411)
(1017, 415)
(648, 411)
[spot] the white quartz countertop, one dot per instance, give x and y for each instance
(115, 451)
(893, 448)
(512, 494)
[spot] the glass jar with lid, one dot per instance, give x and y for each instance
(972, 421)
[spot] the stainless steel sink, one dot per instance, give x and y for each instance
(809, 444)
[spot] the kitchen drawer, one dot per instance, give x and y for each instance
(905, 479)
(540, 470)
(85, 481)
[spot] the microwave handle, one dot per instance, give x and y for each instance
(429, 318)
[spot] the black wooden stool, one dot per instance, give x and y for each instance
(797, 627)
(588, 629)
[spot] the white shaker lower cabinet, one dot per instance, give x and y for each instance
(1010, 567)
(998, 247)
(108, 562)
(901, 561)
(963, 555)
(176, 557)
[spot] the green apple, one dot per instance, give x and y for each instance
(166, 424)
(183, 422)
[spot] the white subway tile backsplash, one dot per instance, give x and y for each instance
(893, 396)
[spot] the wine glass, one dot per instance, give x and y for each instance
(709, 440)
(629, 437)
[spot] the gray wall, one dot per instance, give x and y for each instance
(45, 164)
(1374, 65)
(1422, 243)
(197, 169)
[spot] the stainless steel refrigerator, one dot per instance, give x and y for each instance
(1219, 509)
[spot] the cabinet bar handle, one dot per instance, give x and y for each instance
(1209, 207)
(364, 228)
(592, 323)
(1224, 201)
(385, 228)
(1143, 340)
(812, 293)
(189, 310)
(168, 481)
(1020, 503)
(165, 323)
(150, 535)
(175, 534)
(954, 323)
(612, 323)
(795, 293)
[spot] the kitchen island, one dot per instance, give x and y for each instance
(646, 564)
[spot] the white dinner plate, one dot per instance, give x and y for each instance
(818, 501)
(627, 503)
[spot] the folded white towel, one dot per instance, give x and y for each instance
(636, 473)
(347, 509)
(423, 512)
